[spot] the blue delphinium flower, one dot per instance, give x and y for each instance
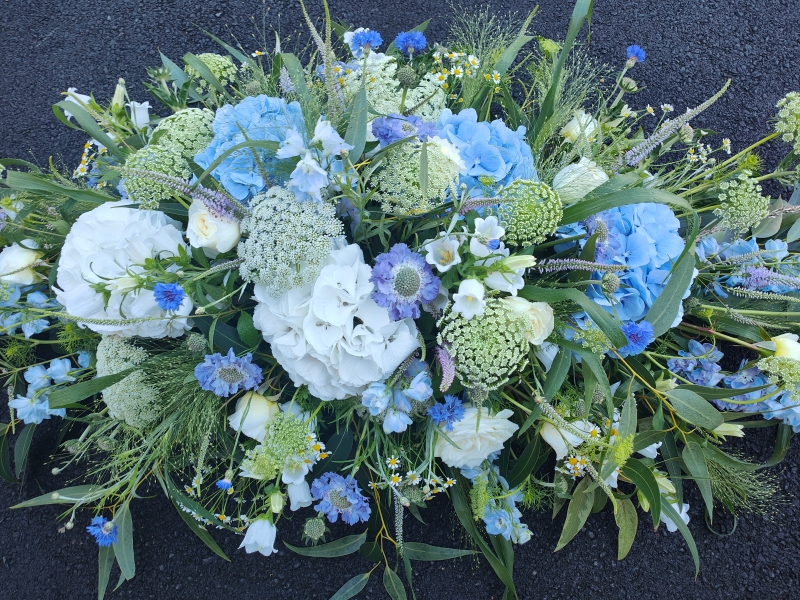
(403, 281)
(226, 375)
(37, 378)
(366, 39)
(59, 370)
(393, 128)
(168, 296)
(784, 408)
(340, 496)
(419, 388)
(636, 54)
(34, 326)
(409, 42)
(498, 522)
(84, 359)
(446, 414)
(394, 420)
(104, 531)
(639, 336)
(376, 398)
(745, 378)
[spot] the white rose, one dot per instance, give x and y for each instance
(16, 263)
(539, 315)
(786, 344)
(582, 125)
(260, 411)
(210, 233)
(574, 181)
(561, 440)
(474, 446)
(260, 537)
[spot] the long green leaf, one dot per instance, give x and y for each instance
(199, 531)
(577, 512)
(5, 455)
(69, 495)
(591, 361)
(628, 522)
(694, 409)
(647, 438)
(123, 546)
(665, 309)
(21, 448)
(33, 182)
(341, 547)
(582, 210)
(530, 460)
(393, 584)
(72, 394)
(356, 134)
(426, 552)
(90, 126)
(246, 330)
(644, 480)
(295, 70)
(105, 560)
(265, 144)
(676, 518)
(695, 461)
(557, 373)
(352, 587)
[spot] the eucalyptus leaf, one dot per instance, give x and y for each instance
(628, 521)
(123, 545)
(644, 480)
(695, 409)
(577, 512)
(341, 547)
(426, 552)
(393, 584)
(695, 461)
(670, 512)
(352, 587)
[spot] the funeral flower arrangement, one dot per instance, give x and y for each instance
(393, 273)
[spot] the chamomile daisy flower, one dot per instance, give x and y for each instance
(395, 480)
(412, 478)
(393, 462)
(650, 110)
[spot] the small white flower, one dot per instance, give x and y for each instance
(292, 146)
(260, 537)
(560, 440)
(683, 513)
(331, 141)
(259, 411)
(574, 181)
(77, 99)
(469, 301)
(442, 252)
(667, 108)
(299, 495)
(486, 230)
(582, 125)
(729, 429)
(140, 114)
(651, 451)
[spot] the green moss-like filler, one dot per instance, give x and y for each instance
(529, 211)
(164, 159)
(187, 130)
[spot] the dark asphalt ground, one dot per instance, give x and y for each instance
(692, 48)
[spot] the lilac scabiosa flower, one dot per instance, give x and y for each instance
(409, 42)
(226, 375)
(168, 296)
(403, 281)
(340, 496)
(367, 39)
(444, 415)
(104, 531)
(639, 336)
(636, 54)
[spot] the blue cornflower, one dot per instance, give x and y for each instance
(226, 375)
(409, 42)
(169, 296)
(403, 281)
(104, 531)
(445, 415)
(639, 336)
(636, 54)
(366, 39)
(224, 484)
(340, 496)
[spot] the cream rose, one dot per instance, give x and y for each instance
(574, 181)
(582, 125)
(474, 446)
(539, 315)
(260, 411)
(786, 344)
(16, 263)
(210, 233)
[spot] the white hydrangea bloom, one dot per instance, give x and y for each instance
(105, 246)
(331, 335)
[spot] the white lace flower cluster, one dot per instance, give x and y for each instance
(102, 255)
(331, 336)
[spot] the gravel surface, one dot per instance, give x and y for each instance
(692, 48)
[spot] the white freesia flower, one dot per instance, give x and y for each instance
(582, 125)
(259, 411)
(474, 446)
(470, 300)
(787, 345)
(16, 263)
(77, 99)
(332, 336)
(442, 252)
(574, 181)
(486, 231)
(683, 513)
(651, 451)
(260, 537)
(299, 495)
(308, 178)
(539, 315)
(562, 440)
(210, 233)
(140, 114)
(107, 244)
(729, 429)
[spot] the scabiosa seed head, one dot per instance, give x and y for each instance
(742, 205)
(610, 282)
(314, 530)
(529, 211)
(253, 88)
(407, 76)
(196, 343)
(686, 133)
(403, 281)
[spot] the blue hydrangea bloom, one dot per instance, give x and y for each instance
(409, 42)
(698, 364)
(340, 497)
(488, 149)
(446, 414)
(226, 375)
(168, 296)
(403, 281)
(636, 53)
(84, 359)
(743, 379)
(639, 336)
(393, 128)
(104, 531)
(784, 409)
(37, 378)
(59, 370)
(365, 39)
(254, 118)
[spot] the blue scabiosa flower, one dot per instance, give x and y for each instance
(409, 42)
(367, 39)
(639, 336)
(445, 415)
(104, 531)
(169, 296)
(403, 281)
(340, 496)
(226, 375)
(636, 54)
